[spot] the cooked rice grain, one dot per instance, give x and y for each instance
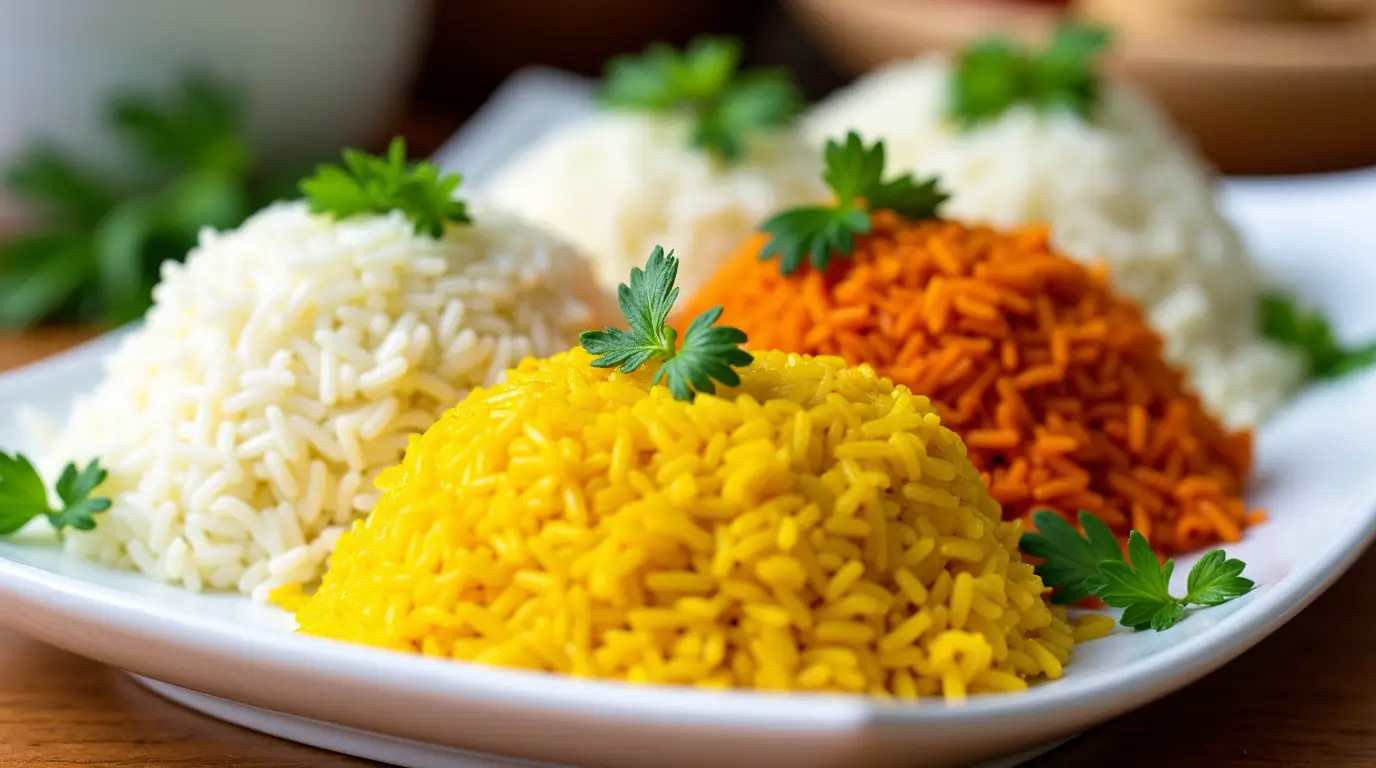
(1124, 187)
(618, 184)
(815, 529)
(285, 365)
(1054, 381)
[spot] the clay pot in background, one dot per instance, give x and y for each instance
(1222, 16)
(1257, 97)
(478, 43)
(1263, 86)
(1231, 10)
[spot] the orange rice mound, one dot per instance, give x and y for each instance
(1055, 382)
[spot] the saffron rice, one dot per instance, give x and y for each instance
(815, 529)
(1055, 383)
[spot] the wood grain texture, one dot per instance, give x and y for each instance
(22, 349)
(1304, 697)
(60, 710)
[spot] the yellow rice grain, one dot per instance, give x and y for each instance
(815, 528)
(1092, 626)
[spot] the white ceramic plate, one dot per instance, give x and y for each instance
(1315, 476)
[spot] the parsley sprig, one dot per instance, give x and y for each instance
(1078, 566)
(102, 236)
(1070, 560)
(704, 80)
(993, 74)
(372, 184)
(854, 172)
(23, 495)
(709, 351)
(1286, 322)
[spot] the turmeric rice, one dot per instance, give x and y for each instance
(1056, 384)
(816, 528)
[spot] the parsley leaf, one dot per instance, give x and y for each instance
(1063, 75)
(1140, 585)
(704, 81)
(1216, 579)
(993, 74)
(199, 130)
(47, 178)
(1071, 560)
(1142, 589)
(854, 173)
(989, 77)
(708, 353)
(646, 304)
(74, 488)
(660, 78)
(1307, 332)
(24, 497)
(102, 240)
(371, 184)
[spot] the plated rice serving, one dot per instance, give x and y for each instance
(1112, 179)
(902, 427)
(1056, 384)
(810, 526)
(286, 364)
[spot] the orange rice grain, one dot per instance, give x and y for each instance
(1056, 383)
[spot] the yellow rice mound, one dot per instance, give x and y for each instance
(814, 529)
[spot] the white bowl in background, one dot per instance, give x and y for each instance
(316, 74)
(232, 659)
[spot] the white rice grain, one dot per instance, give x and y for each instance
(314, 503)
(380, 416)
(174, 559)
(285, 365)
(618, 184)
(225, 576)
(1124, 187)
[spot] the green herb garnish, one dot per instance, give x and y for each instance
(24, 497)
(1070, 560)
(993, 74)
(102, 241)
(372, 184)
(705, 81)
(854, 173)
(1080, 566)
(1286, 322)
(709, 352)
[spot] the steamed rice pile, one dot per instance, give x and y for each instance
(618, 184)
(1124, 188)
(285, 365)
(1055, 383)
(815, 529)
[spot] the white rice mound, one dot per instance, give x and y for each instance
(286, 364)
(618, 184)
(1125, 188)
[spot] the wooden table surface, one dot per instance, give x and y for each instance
(1305, 696)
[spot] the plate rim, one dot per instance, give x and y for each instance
(1132, 685)
(1083, 700)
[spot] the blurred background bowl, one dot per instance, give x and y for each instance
(316, 74)
(1261, 86)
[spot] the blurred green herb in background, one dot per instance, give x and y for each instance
(1287, 322)
(994, 74)
(96, 254)
(704, 80)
